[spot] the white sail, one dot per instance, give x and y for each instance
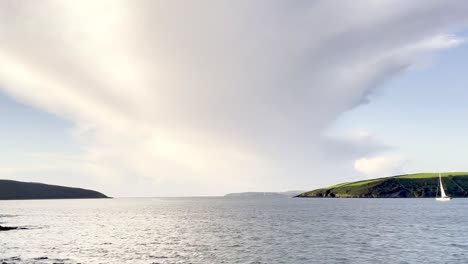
(442, 192)
(443, 196)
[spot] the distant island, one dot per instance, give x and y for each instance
(420, 185)
(264, 194)
(16, 190)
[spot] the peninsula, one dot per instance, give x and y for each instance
(420, 185)
(16, 190)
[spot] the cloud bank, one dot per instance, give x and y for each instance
(206, 97)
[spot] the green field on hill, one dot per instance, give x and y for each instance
(420, 185)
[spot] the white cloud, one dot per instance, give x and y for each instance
(207, 97)
(380, 166)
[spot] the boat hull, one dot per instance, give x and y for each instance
(443, 199)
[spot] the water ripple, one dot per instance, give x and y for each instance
(218, 230)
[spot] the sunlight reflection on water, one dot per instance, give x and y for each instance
(234, 230)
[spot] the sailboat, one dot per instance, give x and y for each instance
(443, 196)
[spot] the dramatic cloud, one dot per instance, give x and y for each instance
(205, 97)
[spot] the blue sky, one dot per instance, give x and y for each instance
(28, 129)
(421, 114)
(151, 98)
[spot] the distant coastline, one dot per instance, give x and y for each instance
(420, 185)
(264, 194)
(16, 190)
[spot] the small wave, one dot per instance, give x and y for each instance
(7, 215)
(11, 260)
(462, 246)
(36, 260)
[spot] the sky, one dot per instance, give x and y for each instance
(172, 98)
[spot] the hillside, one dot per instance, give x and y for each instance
(15, 190)
(419, 185)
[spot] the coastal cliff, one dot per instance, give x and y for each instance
(421, 185)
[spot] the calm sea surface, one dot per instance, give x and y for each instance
(234, 230)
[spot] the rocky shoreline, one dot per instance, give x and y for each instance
(7, 228)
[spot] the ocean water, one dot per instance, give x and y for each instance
(235, 230)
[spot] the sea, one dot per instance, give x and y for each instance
(235, 230)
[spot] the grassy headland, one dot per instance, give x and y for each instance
(401, 186)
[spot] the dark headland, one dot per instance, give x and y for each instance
(15, 190)
(421, 185)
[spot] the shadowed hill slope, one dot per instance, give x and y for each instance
(15, 190)
(419, 185)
